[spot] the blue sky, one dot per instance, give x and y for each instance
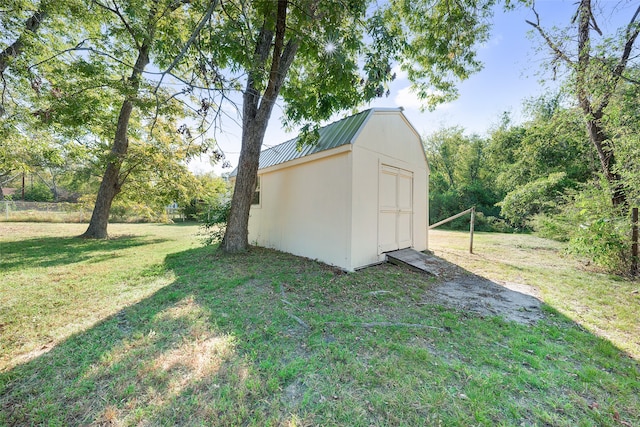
(513, 70)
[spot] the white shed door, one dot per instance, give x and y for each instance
(395, 193)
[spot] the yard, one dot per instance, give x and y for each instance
(151, 328)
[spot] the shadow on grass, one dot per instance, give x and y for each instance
(52, 251)
(267, 338)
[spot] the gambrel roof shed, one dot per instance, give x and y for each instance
(360, 191)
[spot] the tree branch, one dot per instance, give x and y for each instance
(592, 20)
(117, 12)
(189, 42)
(31, 25)
(632, 31)
(281, 61)
(281, 24)
(251, 97)
(554, 47)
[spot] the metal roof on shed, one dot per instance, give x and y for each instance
(333, 135)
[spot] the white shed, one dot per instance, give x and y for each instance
(361, 191)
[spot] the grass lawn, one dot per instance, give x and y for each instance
(150, 328)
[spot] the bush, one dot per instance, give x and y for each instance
(593, 228)
(215, 223)
(603, 231)
(496, 225)
(195, 210)
(555, 227)
(38, 192)
(535, 197)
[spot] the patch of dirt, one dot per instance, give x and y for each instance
(462, 290)
(253, 287)
(292, 394)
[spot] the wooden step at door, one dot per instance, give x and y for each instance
(415, 260)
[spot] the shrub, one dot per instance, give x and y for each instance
(195, 210)
(592, 226)
(215, 223)
(535, 197)
(602, 232)
(496, 225)
(38, 192)
(555, 227)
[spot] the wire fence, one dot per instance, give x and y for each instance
(20, 211)
(42, 211)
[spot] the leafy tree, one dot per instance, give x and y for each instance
(325, 56)
(621, 118)
(597, 65)
(101, 89)
(459, 177)
(20, 20)
(534, 197)
(528, 158)
(91, 84)
(552, 140)
(137, 30)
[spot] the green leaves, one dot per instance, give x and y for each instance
(437, 41)
(544, 195)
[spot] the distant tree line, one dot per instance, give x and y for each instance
(543, 175)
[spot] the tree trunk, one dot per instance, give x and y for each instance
(236, 236)
(600, 142)
(256, 112)
(111, 183)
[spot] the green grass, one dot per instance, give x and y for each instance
(149, 328)
(607, 305)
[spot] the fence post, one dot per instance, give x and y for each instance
(6, 208)
(634, 241)
(471, 226)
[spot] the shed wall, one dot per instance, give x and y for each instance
(386, 139)
(306, 209)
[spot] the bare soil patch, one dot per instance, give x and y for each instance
(465, 291)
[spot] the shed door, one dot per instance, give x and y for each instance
(395, 194)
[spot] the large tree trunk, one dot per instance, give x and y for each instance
(605, 152)
(111, 183)
(236, 236)
(255, 118)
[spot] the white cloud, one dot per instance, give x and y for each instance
(407, 98)
(400, 75)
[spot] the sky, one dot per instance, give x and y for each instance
(513, 72)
